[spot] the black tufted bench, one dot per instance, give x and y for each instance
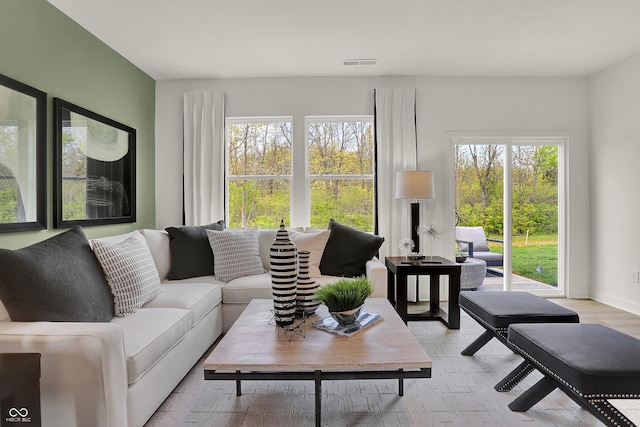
(591, 363)
(496, 310)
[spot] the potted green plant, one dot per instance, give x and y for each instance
(461, 256)
(344, 299)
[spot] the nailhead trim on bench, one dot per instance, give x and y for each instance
(612, 409)
(516, 379)
(591, 398)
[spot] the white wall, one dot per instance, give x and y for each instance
(477, 105)
(615, 199)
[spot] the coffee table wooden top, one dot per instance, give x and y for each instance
(253, 345)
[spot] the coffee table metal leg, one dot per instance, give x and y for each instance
(401, 385)
(238, 386)
(318, 382)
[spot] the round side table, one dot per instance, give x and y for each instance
(472, 274)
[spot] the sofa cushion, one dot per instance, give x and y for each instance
(130, 272)
(244, 289)
(314, 242)
(348, 250)
(199, 298)
(266, 237)
(160, 247)
(191, 254)
(149, 334)
(236, 253)
(58, 279)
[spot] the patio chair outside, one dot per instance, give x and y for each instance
(473, 240)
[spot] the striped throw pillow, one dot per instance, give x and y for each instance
(130, 272)
(235, 252)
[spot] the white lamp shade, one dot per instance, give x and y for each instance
(414, 185)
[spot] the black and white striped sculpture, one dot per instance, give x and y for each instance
(306, 288)
(284, 272)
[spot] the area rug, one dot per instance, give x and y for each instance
(460, 393)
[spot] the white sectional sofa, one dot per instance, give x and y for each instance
(118, 373)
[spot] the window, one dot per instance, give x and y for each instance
(270, 176)
(340, 155)
(258, 171)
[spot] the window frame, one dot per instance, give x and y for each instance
(299, 195)
(228, 178)
(309, 177)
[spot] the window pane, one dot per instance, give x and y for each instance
(348, 201)
(340, 148)
(258, 203)
(259, 148)
(535, 213)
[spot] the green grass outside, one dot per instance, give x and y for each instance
(529, 254)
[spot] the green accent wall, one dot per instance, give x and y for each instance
(42, 47)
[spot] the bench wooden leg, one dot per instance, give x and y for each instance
(478, 343)
(533, 395)
(515, 376)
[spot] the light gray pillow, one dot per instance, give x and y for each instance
(236, 253)
(130, 272)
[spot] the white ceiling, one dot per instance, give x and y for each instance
(171, 39)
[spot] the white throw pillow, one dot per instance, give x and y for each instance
(130, 272)
(313, 242)
(236, 253)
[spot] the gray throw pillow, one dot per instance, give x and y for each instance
(237, 253)
(58, 279)
(191, 254)
(348, 250)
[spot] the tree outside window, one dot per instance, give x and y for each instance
(339, 167)
(341, 171)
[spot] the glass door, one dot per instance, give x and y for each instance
(510, 189)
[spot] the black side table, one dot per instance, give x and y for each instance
(397, 272)
(20, 389)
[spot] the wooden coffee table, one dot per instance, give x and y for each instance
(252, 350)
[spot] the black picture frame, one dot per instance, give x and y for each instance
(24, 179)
(94, 168)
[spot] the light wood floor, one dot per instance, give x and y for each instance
(595, 312)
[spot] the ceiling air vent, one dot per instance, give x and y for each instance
(359, 62)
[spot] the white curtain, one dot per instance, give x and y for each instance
(204, 157)
(396, 145)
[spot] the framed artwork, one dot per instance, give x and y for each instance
(23, 156)
(94, 169)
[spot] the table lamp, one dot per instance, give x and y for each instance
(414, 185)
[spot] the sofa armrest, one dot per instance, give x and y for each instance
(377, 273)
(84, 374)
